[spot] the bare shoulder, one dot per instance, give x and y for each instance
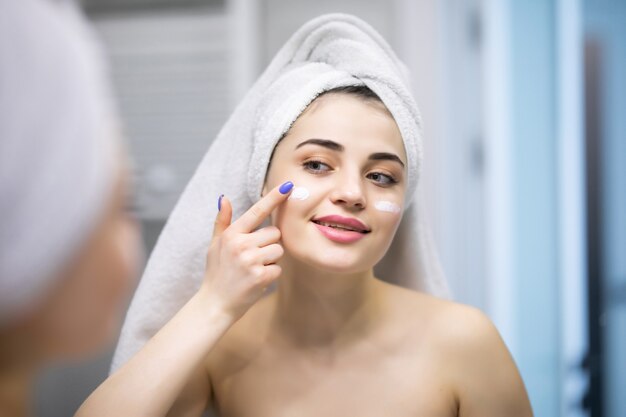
(446, 322)
(472, 356)
(462, 329)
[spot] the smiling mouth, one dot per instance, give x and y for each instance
(340, 227)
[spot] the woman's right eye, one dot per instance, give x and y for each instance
(315, 166)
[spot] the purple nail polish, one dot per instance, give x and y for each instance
(286, 187)
(219, 203)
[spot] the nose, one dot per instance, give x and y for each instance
(349, 191)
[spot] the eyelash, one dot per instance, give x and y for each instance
(307, 165)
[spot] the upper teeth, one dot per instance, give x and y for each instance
(338, 226)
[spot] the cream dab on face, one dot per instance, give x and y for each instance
(387, 206)
(299, 193)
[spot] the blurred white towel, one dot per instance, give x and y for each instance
(57, 145)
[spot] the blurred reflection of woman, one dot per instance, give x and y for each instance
(68, 247)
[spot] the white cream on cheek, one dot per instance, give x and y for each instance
(299, 193)
(387, 206)
(302, 193)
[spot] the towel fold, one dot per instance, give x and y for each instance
(330, 51)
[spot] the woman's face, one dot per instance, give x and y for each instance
(346, 157)
(83, 312)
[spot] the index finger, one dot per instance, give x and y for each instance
(255, 215)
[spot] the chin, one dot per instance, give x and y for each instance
(338, 266)
(337, 260)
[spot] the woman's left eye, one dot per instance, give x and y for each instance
(381, 178)
(315, 166)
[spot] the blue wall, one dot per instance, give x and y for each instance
(535, 227)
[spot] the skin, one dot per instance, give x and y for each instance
(71, 323)
(333, 339)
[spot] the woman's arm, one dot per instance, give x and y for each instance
(240, 266)
(151, 381)
(195, 397)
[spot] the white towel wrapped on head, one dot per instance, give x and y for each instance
(330, 51)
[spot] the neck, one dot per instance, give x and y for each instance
(320, 309)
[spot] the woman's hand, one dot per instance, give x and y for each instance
(241, 261)
(240, 265)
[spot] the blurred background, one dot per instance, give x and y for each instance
(524, 108)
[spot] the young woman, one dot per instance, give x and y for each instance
(69, 248)
(331, 114)
(333, 339)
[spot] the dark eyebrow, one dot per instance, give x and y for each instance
(332, 145)
(382, 156)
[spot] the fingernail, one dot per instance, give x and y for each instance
(286, 187)
(219, 203)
